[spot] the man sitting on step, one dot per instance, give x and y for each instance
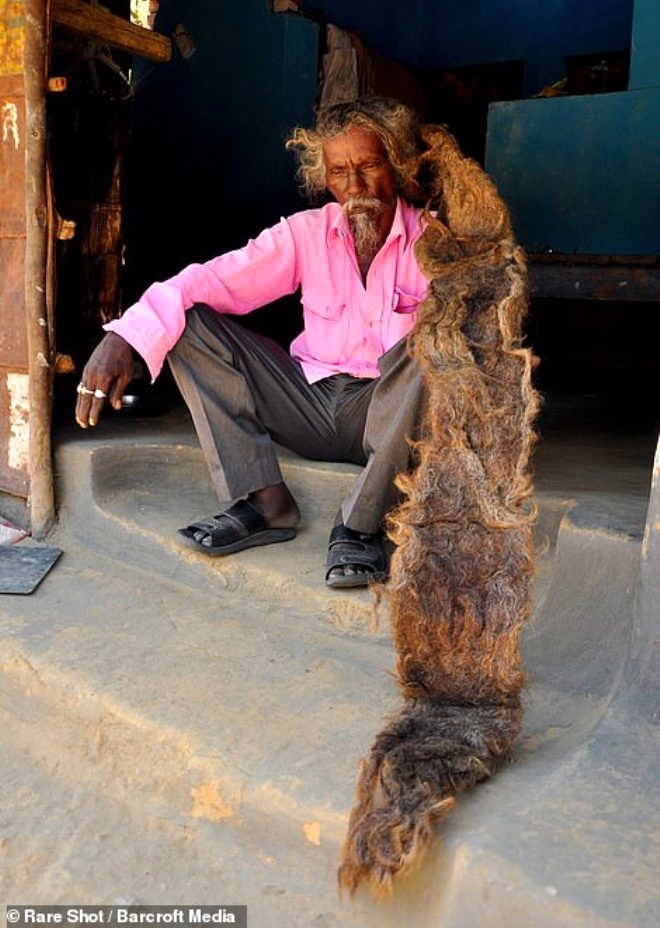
(346, 391)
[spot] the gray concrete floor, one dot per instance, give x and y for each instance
(183, 730)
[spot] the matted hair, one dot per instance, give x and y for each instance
(461, 574)
(395, 124)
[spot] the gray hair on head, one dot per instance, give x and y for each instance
(392, 121)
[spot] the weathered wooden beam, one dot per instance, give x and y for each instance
(95, 23)
(611, 278)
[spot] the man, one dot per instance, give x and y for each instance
(347, 391)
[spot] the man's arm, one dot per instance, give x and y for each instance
(107, 373)
(236, 282)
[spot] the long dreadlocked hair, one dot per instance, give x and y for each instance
(461, 572)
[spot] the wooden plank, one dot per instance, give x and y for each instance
(578, 258)
(96, 23)
(614, 282)
(14, 379)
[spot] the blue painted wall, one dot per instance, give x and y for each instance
(645, 66)
(206, 167)
(582, 173)
(436, 34)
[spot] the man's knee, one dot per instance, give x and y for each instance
(207, 330)
(401, 378)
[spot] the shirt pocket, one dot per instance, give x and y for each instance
(322, 303)
(405, 302)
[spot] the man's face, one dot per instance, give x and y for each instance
(357, 167)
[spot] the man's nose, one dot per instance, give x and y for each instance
(354, 183)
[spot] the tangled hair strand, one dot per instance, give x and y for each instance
(461, 573)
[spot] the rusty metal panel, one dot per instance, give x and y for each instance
(12, 36)
(14, 378)
(13, 334)
(12, 157)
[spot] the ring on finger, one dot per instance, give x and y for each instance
(83, 391)
(99, 394)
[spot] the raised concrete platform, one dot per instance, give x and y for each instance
(183, 730)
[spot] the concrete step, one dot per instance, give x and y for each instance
(152, 488)
(187, 730)
(165, 749)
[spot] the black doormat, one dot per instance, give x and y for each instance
(23, 567)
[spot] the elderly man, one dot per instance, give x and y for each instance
(346, 391)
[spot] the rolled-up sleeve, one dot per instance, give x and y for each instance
(236, 282)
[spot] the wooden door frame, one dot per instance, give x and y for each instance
(38, 268)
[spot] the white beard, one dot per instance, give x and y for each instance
(363, 214)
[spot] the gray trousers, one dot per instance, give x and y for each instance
(244, 390)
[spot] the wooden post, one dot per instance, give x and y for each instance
(37, 311)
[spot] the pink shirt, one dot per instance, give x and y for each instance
(347, 325)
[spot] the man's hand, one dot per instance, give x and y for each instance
(107, 374)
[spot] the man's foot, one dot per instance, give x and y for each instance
(355, 559)
(266, 517)
(277, 505)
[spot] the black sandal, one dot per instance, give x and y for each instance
(348, 548)
(239, 527)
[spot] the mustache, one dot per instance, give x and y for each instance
(364, 204)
